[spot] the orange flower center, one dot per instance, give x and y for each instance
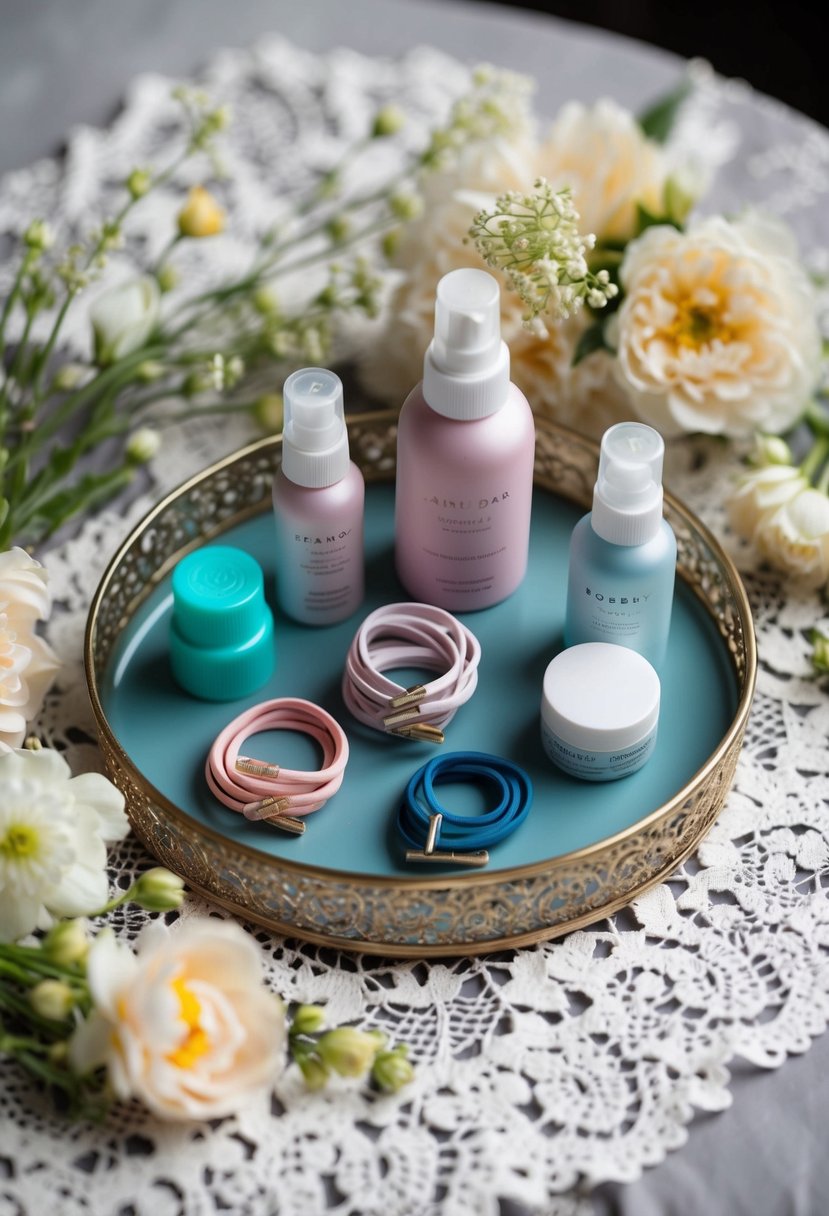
(197, 1041)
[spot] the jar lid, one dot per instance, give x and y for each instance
(221, 636)
(600, 697)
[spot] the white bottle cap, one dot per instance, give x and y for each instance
(627, 498)
(314, 436)
(466, 367)
(599, 697)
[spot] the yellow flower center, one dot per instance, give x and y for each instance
(20, 841)
(197, 1041)
(695, 326)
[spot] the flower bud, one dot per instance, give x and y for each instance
(69, 376)
(820, 651)
(201, 215)
(391, 243)
(391, 1070)
(52, 999)
(138, 183)
(167, 278)
(768, 450)
(158, 890)
(348, 1051)
(339, 229)
(308, 1019)
(143, 445)
(66, 943)
(149, 371)
(406, 205)
(59, 1052)
(314, 1071)
(265, 300)
(123, 318)
(387, 121)
(39, 236)
(269, 412)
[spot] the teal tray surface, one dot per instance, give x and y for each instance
(166, 733)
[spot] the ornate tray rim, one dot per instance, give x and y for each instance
(122, 767)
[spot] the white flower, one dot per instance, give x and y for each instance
(124, 317)
(717, 331)
(53, 829)
(795, 537)
(760, 493)
(186, 1025)
(27, 662)
(600, 152)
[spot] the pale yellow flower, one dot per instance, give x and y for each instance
(600, 152)
(27, 663)
(201, 215)
(185, 1025)
(717, 331)
(795, 538)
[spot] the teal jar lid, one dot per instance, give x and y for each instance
(221, 635)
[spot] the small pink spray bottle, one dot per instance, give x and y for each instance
(318, 499)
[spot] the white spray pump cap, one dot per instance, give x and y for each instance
(314, 435)
(627, 498)
(466, 368)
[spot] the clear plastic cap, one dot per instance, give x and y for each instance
(314, 437)
(466, 369)
(627, 498)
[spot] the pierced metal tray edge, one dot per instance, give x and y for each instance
(397, 916)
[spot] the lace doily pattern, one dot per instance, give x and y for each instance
(540, 1072)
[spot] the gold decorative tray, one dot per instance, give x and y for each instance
(378, 906)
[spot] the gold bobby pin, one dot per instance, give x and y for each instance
(420, 730)
(430, 853)
(256, 768)
(285, 823)
(411, 696)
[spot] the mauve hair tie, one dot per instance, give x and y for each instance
(410, 635)
(260, 790)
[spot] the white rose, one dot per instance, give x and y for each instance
(124, 317)
(795, 537)
(717, 331)
(186, 1026)
(760, 493)
(53, 833)
(600, 152)
(27, 663)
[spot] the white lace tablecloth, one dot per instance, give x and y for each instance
(541, 1072)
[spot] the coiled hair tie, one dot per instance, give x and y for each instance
(260, 790)
(425, 824)
(410, 635)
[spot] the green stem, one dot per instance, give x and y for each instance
(12, 297)
(816, 457)
(115, 376)
(19, 1006)
(817, 419)
(31, 957)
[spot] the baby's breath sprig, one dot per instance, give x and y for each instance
(534, 240)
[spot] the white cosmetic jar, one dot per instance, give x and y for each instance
(599, 711)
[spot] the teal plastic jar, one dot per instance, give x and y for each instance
(221, 635)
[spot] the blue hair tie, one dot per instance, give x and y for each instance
(435, 834)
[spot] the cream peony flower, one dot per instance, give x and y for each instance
(760, 493)
(795, 537)
(600, 152)
(53, 833)
(124, 317)
(717, 331)
(186, 1025)
(27, 662)
(602, 155)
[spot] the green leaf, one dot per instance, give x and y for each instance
(592, 339)
(648, 219)
(658, 120)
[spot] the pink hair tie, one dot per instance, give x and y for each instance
(260, 790)
(410, 635)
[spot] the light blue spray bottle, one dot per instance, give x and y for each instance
(620, 585)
